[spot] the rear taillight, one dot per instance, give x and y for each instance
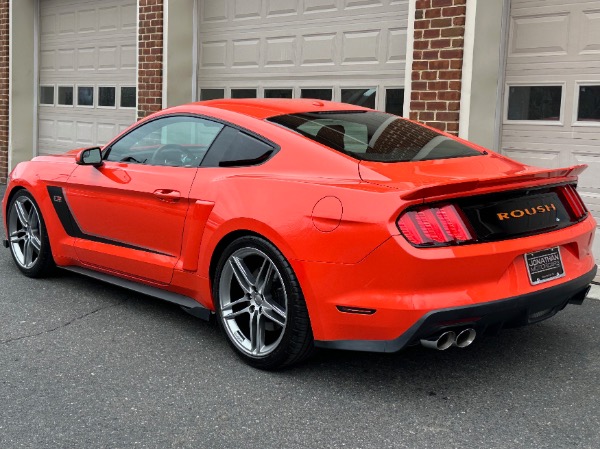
(572, 201)
(434, 226)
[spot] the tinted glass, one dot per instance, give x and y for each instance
(589, 103)
(47, 95)
(128, 97)
(318, 94)
(534, 102)
(65, 95)
(106, 96)
(394, 101)
(212, 94)
(359, 97)
(85, 96)
(278, 93)
(375, 136)
(243, 93)
(236, 148)
(174, 141)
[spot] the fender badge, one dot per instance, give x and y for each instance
(57, 199)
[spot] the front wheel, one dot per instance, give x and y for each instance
(28, 239)
(260, 305)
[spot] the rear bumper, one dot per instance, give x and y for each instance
(495, 315)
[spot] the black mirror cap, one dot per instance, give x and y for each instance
(90, 156)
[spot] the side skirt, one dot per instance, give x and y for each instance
(188, 304)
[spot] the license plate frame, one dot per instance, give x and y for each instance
(544, 265)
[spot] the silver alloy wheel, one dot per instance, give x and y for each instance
(24, 231)
(253, 302)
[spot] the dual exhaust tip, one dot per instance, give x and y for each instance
(450, 338)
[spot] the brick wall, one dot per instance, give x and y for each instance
(437, 63)
(4, 74)
(150, 57)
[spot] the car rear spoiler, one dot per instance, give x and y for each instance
(568, 174)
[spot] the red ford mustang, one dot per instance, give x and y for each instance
(302, 223)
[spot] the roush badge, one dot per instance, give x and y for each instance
(545, 265)
(520, 213)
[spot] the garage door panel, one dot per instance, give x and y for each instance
(556, 42)
(88, 44)
(547, 159)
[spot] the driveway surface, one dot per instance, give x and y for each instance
(88, 365)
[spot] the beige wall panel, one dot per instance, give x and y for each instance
(318, 49)
(246, 52)
(246, 9)
(589, 37)
(535, 35)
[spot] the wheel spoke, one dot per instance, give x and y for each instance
(36, 243)
(232, 315)
(28, 253)
(272, 305)
(275, 317)
(264, 277)
(234, 303)
(21, 213)
(242, 273)
(257, 333)
(17, 236)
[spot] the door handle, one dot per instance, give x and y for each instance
(167, 195)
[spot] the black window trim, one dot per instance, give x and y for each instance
(225, 123)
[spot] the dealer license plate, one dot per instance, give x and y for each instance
(544, 265)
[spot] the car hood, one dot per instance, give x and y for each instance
(425, 179)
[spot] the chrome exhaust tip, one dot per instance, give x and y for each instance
(465, 338)
(441, 343)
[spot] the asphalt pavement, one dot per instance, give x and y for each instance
(88, 365)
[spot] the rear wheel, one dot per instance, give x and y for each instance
(260, 305)
(28, 239)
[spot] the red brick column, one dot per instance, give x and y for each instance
(4, 75)
(437, 63)
(150, 57)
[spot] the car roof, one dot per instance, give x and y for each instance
(262, 108)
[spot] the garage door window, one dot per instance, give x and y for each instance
(85, 96)
(318, 94)
(360, 97)
(278, 93)
(106, 96)
(589, 103)
(65, 95)
(212, 94)
(534, 103)
(243, 93)
(47, 95)
(127, 97)
(394, 101)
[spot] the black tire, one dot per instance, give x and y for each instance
(28, 239)
(265, 319)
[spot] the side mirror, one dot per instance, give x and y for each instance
(90, 156)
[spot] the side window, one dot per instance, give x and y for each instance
(235, 148)
(173, 141)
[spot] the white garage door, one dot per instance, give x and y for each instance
(552, 97)
(349, 50)
(87, 72)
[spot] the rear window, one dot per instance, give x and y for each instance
(374, 136)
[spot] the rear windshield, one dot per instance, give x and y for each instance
(374, 136)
